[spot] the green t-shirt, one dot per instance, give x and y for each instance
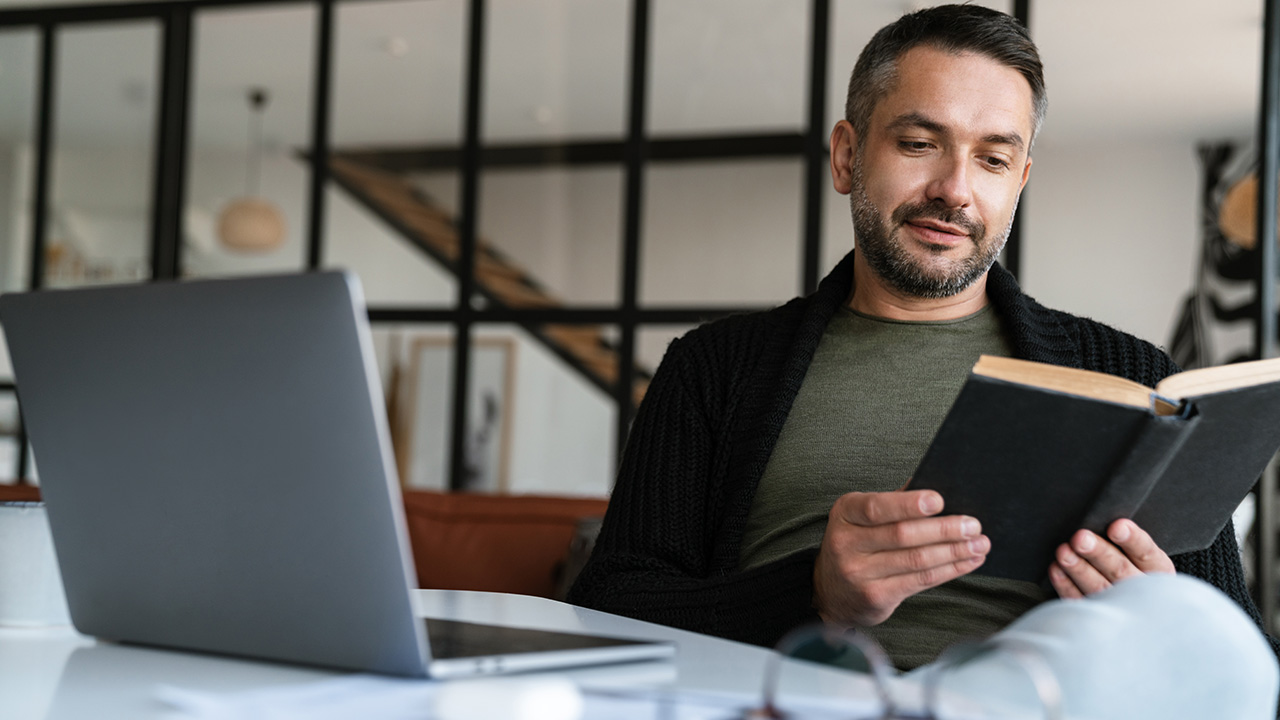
(872, 399)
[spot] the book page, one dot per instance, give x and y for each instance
(1073, 381)
(1204, 381)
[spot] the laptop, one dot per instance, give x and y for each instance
(215, 460)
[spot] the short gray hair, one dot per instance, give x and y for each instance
(953, 29)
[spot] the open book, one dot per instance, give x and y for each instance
(1037, 451)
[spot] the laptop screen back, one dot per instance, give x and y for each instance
(215, 462)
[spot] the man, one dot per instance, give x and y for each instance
(761, 485)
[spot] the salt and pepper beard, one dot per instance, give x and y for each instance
(892, 263)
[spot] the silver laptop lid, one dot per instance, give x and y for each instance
(215, 459)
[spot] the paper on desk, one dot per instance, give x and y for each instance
(379, 698)
(345, 697)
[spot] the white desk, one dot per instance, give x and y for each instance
(57, 674)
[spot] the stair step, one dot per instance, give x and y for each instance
(487, 262)
(517, 294)
(584, 342)
(432, 229)
(488, 271)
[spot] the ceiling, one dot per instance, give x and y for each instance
(1117, 71)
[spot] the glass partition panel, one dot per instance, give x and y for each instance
(728, 66)
(18, 78)
(541, 419)
(550, 236)
(398, 71)
(99, 223)
(250, 119)
(386, 254)
(724, 233)
(416, 365)
(556, 69)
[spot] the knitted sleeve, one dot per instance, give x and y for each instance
(654, 559)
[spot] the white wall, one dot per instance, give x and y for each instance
(1112, 231)
(722, 234)
(564, 440)
(564, 226)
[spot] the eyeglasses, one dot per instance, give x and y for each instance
(857, 652)
(928, 698)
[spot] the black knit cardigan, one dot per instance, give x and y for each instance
(668, 549)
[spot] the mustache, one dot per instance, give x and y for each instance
(935, 210)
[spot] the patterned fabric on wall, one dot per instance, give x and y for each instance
(1216, 322)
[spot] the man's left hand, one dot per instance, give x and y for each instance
(1089, 563)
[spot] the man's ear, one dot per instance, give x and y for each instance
(1026, 174)
(844, 143)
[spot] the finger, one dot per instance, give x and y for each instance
(1082, 573)
(908, 584)
(870, 509)
(1065, 588)
(1106, 558)
(1139, 547)
(917, 533)
(922, 559)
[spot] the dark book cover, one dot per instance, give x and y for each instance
(1236, 435)
(1031, 464)
(1034, 465)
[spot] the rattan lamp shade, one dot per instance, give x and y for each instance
(251, 224)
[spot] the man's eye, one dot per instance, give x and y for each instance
(996, 163)
(916, 145)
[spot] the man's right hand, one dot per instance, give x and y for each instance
(881, 548)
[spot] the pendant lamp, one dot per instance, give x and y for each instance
(252, 223)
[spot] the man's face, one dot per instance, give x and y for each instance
(936, 178)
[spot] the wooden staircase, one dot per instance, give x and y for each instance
(394, 199)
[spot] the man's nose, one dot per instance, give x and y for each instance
(950, 184)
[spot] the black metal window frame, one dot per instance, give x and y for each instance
(1265, 324)
(634, 153)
